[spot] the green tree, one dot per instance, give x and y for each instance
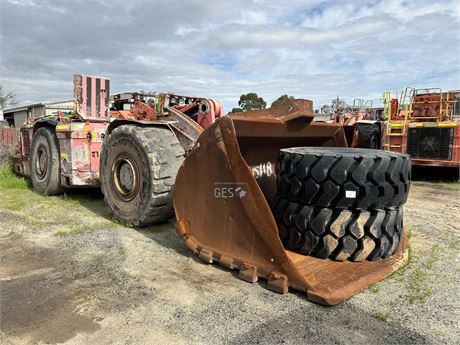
(236, 110)
(251, 101)
(282, 100)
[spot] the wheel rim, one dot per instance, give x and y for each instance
(125, 174)
(41, 163)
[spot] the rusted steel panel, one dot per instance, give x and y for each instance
(80, 146)
(91, 96)
(292, 110)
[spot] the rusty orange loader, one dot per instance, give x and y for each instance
(269, 193)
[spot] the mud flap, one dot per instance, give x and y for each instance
(224, 216)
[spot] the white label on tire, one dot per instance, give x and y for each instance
(351, 194)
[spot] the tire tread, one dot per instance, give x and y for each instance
(381, 180)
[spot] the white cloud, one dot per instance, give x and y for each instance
(310, 49)
(250, 17)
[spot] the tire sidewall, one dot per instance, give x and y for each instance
(374, 133)
(51, 182)
(368, 132)
(123, 143)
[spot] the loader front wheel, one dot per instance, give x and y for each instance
(138, 171)
(45, 171)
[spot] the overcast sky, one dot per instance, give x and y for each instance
(221, 49)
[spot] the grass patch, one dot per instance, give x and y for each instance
(68, 199)
(419, 291)
(374, 288)
(416, 273)
(13, 205)
(435, 254)
(451, 185)
(122, 251)
(419, 279)
(455, 244)
(382, 315)
(8, 180)
(79, 229)
(13, 234)
(60, 233)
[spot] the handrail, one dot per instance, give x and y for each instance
(407, 103)
(387, 109)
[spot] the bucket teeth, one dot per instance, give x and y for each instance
(278, 282)
(226, 262)
(205, 256)
(248, 273)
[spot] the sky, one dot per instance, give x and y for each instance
(221, 49)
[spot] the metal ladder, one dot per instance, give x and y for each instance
(395, 129)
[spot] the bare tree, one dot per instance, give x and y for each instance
(337, 106)
(7, 99)
(326, 109)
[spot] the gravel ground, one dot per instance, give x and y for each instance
(69, 274)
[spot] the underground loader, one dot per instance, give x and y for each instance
(251, 184)
(226, 192)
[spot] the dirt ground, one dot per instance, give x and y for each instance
(69, 274)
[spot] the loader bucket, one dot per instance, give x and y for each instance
(223, 196)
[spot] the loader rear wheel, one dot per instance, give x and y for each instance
(343, 178)
(45, 171)
(371, 135)
(339, 234)
(138, 171)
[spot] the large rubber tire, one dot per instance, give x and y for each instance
(371, 136)
(343, 178)
(339, 234)
(138, 170)
(45, 171)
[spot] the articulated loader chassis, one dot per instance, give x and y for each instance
(131, 150)
(238, 201)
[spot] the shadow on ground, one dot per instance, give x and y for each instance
(435, 174)
(163, 233)
(322, 325)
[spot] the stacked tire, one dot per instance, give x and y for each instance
(341, 203)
